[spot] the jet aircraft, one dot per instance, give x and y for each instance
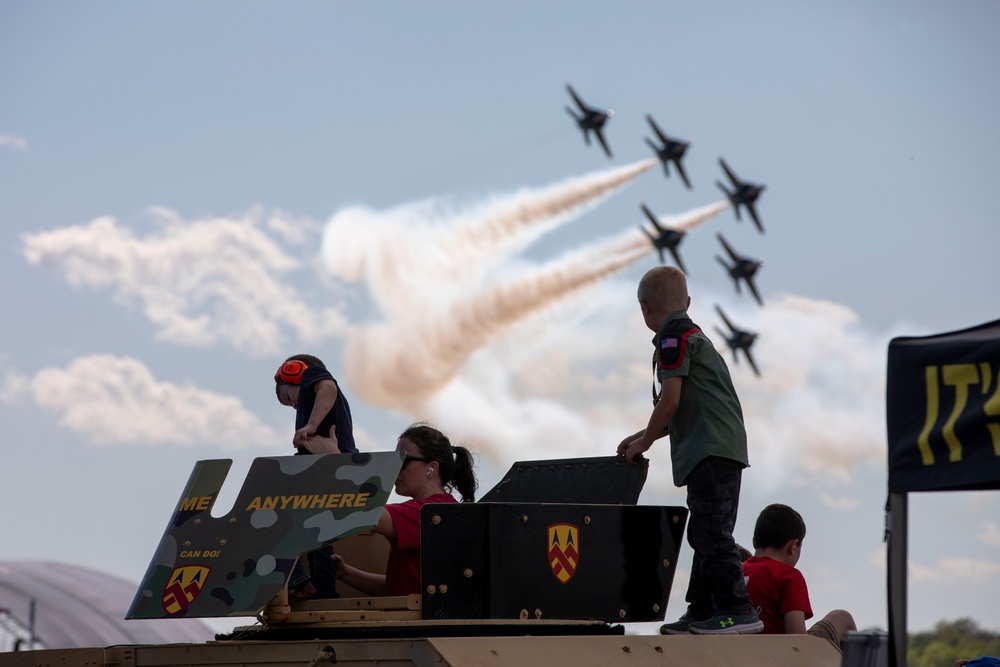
(738, 339)
(743, 267)
(745, 193)
(665, 238)
(591, 120)
(672, 150)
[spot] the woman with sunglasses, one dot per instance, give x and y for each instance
(432, 469)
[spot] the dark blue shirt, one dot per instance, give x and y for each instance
(339, 415)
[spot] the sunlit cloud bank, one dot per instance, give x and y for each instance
(13, 141)
(578, 388)
(106, 397)
(202, 282)
(819, 406)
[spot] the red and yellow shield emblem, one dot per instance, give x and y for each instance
(564, 550)
(183, 586)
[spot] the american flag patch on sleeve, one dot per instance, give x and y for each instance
(668, 343)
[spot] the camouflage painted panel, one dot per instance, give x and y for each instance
(235, 564)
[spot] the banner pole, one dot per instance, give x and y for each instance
(896, 525)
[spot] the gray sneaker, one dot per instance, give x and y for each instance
(680, 626)
(728, 624)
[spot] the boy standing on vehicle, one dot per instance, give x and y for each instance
(698, 407)
(302, 382)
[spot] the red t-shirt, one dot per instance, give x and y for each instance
(777, 589)
(402, 571)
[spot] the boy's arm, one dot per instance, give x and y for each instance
(320, 445)
(795, 622)
(326, 396)
(663, 412)
(369, 583)
(623, 445)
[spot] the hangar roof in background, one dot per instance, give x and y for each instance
(77, 606)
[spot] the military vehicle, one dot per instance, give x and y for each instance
(547, 568)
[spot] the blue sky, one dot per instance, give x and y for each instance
(193, 192)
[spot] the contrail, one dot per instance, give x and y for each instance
(430, 246)
(685, 222)
(404, 363)
(554, 205)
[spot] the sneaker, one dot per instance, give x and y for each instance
(729, 624)
(680, 626)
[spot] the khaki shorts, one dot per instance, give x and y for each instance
(824, 630)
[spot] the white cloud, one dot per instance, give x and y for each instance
(841, 503)
(13, 141)
(116, 400)
(203, 282)
(955, 569)
(989, 534)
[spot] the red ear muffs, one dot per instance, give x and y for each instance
(290, 372)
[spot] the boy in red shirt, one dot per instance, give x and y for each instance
(777, 588)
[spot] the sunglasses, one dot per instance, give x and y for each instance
(416, 458)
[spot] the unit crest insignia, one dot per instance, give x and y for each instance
(564, 550)
(183, 586)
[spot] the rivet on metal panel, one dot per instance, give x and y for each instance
(431, 589)
(443, 588)
(586, 520)
(621, 612)
(222, 543)
(538, 613)
(436, 519)
(494, 651)
(197, 522)
(524, 518)
(524, 614)
(626, 649)
(187, 543)
(666, 563)
(232, 520)
(656, 608)
(468, 573)
(658, 649)
(675, 519)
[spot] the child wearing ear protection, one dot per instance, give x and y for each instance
(303, 382)
(323, 425)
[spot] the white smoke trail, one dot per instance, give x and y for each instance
(423, 244)
(506, 220)
(405, 362)
(692, 219)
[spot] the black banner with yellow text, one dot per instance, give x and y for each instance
(943, 411)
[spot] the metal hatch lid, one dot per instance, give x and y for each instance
(598, 480)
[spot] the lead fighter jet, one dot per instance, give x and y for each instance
(739, 339)
(665, 239)
(743, 268)
(672, 150)
(592, 119)
(746, 193)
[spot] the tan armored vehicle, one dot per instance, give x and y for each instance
(547, 569)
